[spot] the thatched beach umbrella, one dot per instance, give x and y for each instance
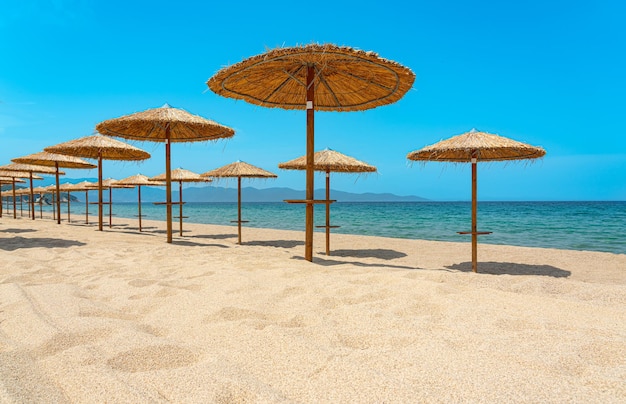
(54, 160)
(472, 147)
(99, 147)
(40, 191)
(85, 186)
(168, 125)
(67, 187)
(329, 160)
(180, 175)
(30, 168)
(239, 170)
(9, 177)
(139, 180)
(109, 184)
(314, 78)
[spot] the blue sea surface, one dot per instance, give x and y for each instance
(595, 226)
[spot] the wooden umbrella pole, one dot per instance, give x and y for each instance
(168, 184)
(310, 152)
(87, 207)
(110, 207)
(21, 205)
(41, 206)
(32, 199)
(68, 206)
(100, 215)
(180, 205)
(1, 201)
(474, 213)
(327, 211)
(14, 201)
(139, 204)
(239, 208)
(58, 194)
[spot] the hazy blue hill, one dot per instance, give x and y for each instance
(221, 194)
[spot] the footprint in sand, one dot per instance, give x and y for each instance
(154, 357)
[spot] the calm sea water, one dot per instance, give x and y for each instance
(596, 226)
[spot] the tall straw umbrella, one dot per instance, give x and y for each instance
(314, 78)
(168, 125)
(139, 180)
(239, 169)
(329, 160)
(109, 184)
(29, 168)
(54, 160)
(99, 147)
(472, 147)
(180, 175)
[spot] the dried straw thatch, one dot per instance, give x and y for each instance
(98, 146)
(480, 145)
(330, 160)
(54, 160)
(181, 175)
(29, 168)
(151, 125)
(239, 169)
(346, 79)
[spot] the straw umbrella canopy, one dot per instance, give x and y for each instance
(168, 125)
(139, 180)
(99, 147)
(329, 160)
(180, 175)
(109, 184)
(54, 160)
(239, 170)
(314, 78)
(472, 147)
(30, 168)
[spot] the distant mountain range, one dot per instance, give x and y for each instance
(221, 194)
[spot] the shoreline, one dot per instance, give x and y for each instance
(123, 316)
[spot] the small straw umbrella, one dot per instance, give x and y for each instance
(40, 191)
(67, 187)
(9, 179)
(30, 168)
(54, 160)
(168, 125)
(239, 169)
(99, 147)
(329, 160)
(139, 180)
(109, 184)
(180, 175)
(85, 186)
(15, 177)
(314, 78)
(472, 147)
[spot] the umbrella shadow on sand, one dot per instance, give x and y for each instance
(276, 243)
(328, 262)
(510, 268)
(189, 243)
(380, 253)
(16, 243)
(217, 236)
(17, 230)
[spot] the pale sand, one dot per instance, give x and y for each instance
(119, 316)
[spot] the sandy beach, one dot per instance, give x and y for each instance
(120, 316)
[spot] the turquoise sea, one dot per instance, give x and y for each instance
(596, 226)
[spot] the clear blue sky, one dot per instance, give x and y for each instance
(549, 73)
